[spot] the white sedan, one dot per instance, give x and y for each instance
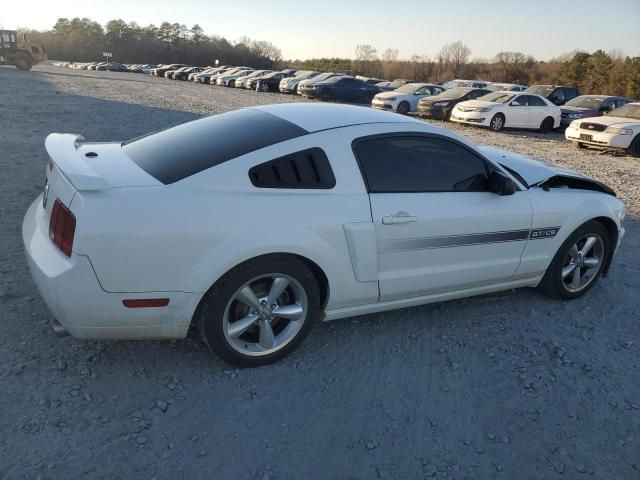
(498, 110)
(305, 212)
(619, 129)
(405, 99)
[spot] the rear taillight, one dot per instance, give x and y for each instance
(62, 227)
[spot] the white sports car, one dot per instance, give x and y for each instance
(498, 110)
(321, 212)
(405, 99)
(619, 129)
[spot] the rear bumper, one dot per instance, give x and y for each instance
(79, 305)
(598, 139)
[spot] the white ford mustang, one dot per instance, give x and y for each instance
(497, 110)
(322, 211)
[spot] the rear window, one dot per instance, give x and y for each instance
(179, 152)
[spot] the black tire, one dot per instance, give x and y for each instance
(552, 284)
(579, 145)
(403, 108)
(232, 83)
(210, 313)
(497, 122)
(23, 62)
(263, 87)
(546, 125)
(634, 148)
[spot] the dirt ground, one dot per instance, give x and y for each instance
(511, 385)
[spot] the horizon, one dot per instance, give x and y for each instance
(301, 36)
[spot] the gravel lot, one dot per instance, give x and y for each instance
(510, 385)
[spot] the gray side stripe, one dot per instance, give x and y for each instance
(406, 244)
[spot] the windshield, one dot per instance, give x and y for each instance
(409, 88)
(452, 94)
(323, 76)
(305, 75)
(497, 87)
(270, 75)
(586, 102)
(496, 97)
(543, 90)
(454, 84)
(628, 111)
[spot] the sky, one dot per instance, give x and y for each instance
(332, 28)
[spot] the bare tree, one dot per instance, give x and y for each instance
(366, 53)
(460, 54)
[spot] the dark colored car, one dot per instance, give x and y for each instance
(289, 72)
(439, 107)
(115, 67)
(268, 82)
(342, 89)
(589, 106)
(183, 73)
(557, 95)
(160, 71)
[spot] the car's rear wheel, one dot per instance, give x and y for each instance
(403, 108)
(546, 125)
(264, 87)
(260, 311)
(578, 263)
(634, 148)
(497, 122)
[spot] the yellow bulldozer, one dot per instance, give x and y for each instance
(17, 49)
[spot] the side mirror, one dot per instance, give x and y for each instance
(501, 184)
(514, 104)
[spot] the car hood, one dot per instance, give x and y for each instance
(478, 103)
(569, 109)
(617, 121)
(532, 170)
(393, 94)
(431, 100)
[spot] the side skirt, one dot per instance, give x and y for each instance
(345, 312)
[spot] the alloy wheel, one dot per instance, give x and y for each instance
(496, 123)
(583, 262)
(265, 314)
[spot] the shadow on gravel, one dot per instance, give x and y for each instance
(509, 385)
(136, 77)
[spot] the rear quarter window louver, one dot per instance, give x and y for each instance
(306, 169)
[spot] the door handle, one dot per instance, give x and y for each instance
(400, 217)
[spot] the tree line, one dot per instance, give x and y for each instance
(594, 73)
(82, 40)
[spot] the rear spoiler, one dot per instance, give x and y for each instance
(63, 152)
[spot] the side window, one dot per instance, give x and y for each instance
(558, 94)
(437, 90)
(419, 164)
(475, 94)
(620, 102)
(570, 93)
(306, 169)
(521, 100)
(536, 101)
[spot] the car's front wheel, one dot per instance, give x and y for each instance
(403, 108)
(578, 263)
(497, 122)
(260, 311)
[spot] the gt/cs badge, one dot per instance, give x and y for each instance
(45, 194)
(538, 233)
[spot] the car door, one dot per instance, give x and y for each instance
(538, 111)
(517, 115)
(437, 227)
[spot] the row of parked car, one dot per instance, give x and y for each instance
(471, 102)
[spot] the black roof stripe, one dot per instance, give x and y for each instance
(177, 153)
